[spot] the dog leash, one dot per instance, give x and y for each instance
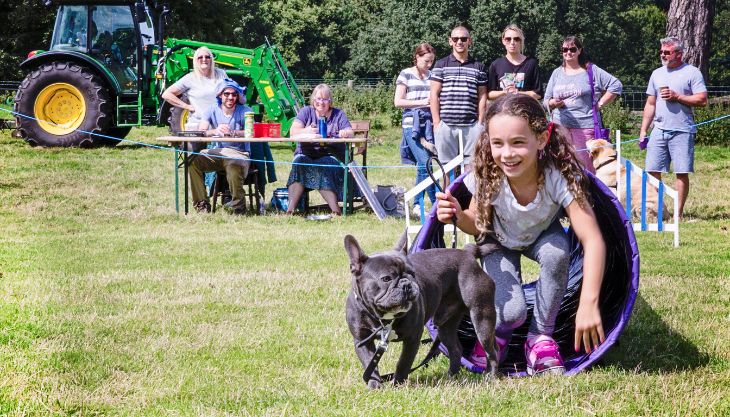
(384, 332)
(429, 170)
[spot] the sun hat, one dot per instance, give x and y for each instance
(228, 83)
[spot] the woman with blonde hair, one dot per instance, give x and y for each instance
(514, 73)
(198, 86)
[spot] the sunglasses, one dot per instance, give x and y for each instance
(464, 39)
(322, 100)
(572, 49)
(202, 57)
(516, 39)
(230, 94)
(665, 53)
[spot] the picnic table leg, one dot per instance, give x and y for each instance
(177, 182)
(344, 191)
(185, 171)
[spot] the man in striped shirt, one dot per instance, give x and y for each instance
(458, 98)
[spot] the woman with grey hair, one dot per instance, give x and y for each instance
(317, 166)
(515, 72)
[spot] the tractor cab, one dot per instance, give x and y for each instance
(108, 33)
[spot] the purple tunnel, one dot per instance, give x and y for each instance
(618, 291)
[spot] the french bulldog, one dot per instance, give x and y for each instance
(407, 290)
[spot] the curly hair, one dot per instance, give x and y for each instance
(558, 153)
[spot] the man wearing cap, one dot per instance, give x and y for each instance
(458, 98)
(674, 89)
(225, 119)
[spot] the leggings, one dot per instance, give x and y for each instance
(551, 251)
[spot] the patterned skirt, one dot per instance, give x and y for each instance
(329, 177)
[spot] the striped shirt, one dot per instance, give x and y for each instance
(416, 89)
(459, 99)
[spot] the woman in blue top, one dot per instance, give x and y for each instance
(568, 95)
(307, 172)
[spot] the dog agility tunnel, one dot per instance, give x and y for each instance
(618, 292)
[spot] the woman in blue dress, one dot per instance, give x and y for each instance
(310, 169)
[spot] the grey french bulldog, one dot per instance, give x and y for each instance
(407, 290)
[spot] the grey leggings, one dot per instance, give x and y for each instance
(551, 251)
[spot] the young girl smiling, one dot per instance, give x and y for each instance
(525, 179)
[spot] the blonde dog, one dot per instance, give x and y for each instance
(604, 161)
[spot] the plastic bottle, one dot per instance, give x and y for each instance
(322, 125)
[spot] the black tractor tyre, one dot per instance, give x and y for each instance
(72, 93)
(114, 132)
(178, 116)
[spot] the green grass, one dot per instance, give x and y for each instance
(112, 304)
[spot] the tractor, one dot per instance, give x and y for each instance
(108, 65)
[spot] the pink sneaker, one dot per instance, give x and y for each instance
(543, 355)
(478, 356)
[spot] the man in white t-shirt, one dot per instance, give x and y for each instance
(673, 90)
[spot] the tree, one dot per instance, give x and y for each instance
(691, 21)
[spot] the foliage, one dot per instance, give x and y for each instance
(720, 63)
(369, 38)
(364, 103)
(617, 116)
(717, 133)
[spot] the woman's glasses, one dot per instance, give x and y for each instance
(572, 49)
(514, 38)
(322, 100)
(463, 39)
(202, 57)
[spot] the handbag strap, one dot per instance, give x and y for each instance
(596, 120)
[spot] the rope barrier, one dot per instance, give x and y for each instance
(342, 166)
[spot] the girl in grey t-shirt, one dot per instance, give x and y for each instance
(525, 178)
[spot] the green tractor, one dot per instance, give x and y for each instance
(108, 65)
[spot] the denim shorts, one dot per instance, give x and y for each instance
(670, 146)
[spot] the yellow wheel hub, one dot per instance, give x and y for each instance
(184, 116)
(60, 108)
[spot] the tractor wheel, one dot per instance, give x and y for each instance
(61, 104)
(178, 116)
(115, 132)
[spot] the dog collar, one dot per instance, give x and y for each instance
(610, 159)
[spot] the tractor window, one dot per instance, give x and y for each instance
(114, 41)
(70, 31)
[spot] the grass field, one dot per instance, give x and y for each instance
(112, 304)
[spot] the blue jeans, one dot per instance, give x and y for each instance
(421, 155)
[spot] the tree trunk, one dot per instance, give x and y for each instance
(691, 21)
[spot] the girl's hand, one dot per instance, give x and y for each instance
(447, 208)
(588, 327)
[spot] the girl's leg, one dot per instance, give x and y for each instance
(503, 266)
(421, 156)
(551, 251)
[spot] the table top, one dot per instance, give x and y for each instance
(177, 139)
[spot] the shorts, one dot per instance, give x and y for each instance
(447, 141)
(670, 146)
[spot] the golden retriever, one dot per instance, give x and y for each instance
(604, 161)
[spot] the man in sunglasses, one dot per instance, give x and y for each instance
(225, 119)
(673, 90)
(458, 98)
